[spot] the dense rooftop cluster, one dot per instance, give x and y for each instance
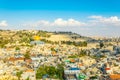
(31, 55)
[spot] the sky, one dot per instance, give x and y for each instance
(85, 17)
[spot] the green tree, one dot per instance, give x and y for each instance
(82, 53)
(28, 78)
(18, 74)
(51, 71)
(72, 56)
(101, 45)
(27, 55)
(40, 72)
(17, 48)
(60, 70)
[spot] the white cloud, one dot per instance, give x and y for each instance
(3, 24)
(95, 17)
(57, 22)
(104, 21)
(93, 21)
(42, 23)
(69, 22)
